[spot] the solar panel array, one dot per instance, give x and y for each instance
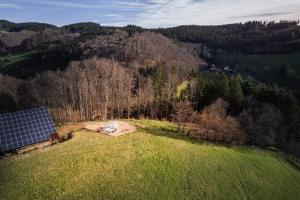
(24, 128)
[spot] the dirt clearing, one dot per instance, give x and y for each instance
(120, 127)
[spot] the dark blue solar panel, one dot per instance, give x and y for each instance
(25, 127)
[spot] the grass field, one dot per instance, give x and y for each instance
(181, 88)
(152, 163)
(15, 58)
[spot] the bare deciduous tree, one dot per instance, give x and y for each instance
(183, 114)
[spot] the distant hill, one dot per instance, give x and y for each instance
(26, 52)
(251, 37)
(30, 26)
(84, 27)
(223, 45)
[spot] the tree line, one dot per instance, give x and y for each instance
(250, 38)
(32, 26)
(224, 108)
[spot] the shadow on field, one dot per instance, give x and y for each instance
(172, 132)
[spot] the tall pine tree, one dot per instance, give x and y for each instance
(236, 95)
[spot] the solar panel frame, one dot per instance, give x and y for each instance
(22, 128)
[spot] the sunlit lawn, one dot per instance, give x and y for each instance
(152, 163)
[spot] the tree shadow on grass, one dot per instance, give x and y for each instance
(166, 132)
(172, 132)
(243, 149)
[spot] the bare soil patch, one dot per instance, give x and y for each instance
(122, 127)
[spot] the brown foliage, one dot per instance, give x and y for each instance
(13, 39)
(31, 39)
(148, 48)
(141, 50)
(89, 89)
(48, 36)
(13, 87)
(183, 114)
(264, 124)
(214, 124)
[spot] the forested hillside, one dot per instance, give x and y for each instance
(248, 38)
(86, 71)
(56, 48)
(222, 45)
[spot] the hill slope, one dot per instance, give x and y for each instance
(135, 46)
(152, 163)
(55, 49)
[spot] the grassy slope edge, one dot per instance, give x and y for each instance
(151, 163)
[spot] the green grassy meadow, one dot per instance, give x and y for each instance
(11, 59)
(151, 163)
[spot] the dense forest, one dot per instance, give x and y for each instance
(86, 71)
(251, 37)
